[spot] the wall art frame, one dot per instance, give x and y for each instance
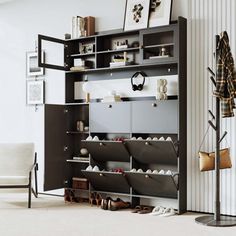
(160, 13)
(35, 94)
(136, 14)
(32, 68)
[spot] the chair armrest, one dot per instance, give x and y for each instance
(35, 165)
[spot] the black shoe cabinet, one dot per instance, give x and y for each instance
(140, 118)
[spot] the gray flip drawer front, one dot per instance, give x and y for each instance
(152, 184)
(110, 117)
(107, 181)
(107, 150)
(155, 116)
(147, 152)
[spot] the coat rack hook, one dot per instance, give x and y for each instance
(213, 80)
(212, 125)
(225, 133)
(212, 115)
(211, 71)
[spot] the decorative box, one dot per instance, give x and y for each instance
(80, 183)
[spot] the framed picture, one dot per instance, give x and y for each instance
(136, 14)
(160, 12)
(35, 92)
(32, 68)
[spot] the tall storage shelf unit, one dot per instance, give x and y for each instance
(145, 117)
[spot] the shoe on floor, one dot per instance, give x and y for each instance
(158, 210)
(146, 210)
(118, 204)
(137, 209)
(168, 212)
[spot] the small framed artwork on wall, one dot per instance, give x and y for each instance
(32, 68)
(136, 14)
(35, 92)
(160, 12)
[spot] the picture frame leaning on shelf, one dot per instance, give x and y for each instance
(160, 13)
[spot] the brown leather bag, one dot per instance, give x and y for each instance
(207, 160)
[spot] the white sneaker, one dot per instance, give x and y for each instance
(140, 171)
(169, 172)
(168, 212)
(95, 168)
(149, 139)
(161, 172)
(155, 172)
(161, 139)
(90, 138)
(148, 171)
(133, 170)
(139, 138)
(95, 138)
(155, 139)
(89, 168)
(169, 139)
(158, 210)
(133, 138)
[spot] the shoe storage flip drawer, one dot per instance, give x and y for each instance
(110, 117)
(107, 150)
(152, 184)
(107, 181)
(155, 116)
(147, 152)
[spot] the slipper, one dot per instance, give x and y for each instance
(168, 212)
(137, 209)
(146, 210)
(159, 210)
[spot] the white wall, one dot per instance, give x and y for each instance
(20, 22)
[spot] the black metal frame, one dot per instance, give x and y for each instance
(29, 186)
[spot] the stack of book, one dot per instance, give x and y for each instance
(119, 60)
(81, 158)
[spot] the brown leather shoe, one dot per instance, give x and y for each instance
(117, 204)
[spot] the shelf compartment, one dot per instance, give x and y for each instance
(156, 152)
(152, 184)
(107, 181)
(107, 151)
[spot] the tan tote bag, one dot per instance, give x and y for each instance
(207, 160)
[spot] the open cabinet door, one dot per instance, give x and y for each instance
(45, 43)
(57, 147)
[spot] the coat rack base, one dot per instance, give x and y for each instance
(225, 221)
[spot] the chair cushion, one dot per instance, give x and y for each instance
(14, 180)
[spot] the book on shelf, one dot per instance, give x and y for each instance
(81, 158)
(121, 47)
(120, 63)
(156, 57)
(78, 68)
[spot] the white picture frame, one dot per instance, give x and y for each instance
(136, 14)
(32, 68)
(160, 13)
(35, 92)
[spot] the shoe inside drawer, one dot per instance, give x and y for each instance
(152, 184)
(107, 181)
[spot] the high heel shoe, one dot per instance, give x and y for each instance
(98, 199)
(92, 198)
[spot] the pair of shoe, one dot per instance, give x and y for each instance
(114, 205)
(163, 212)
(90, 138)
(142, 209)
(90, 168)
(95, 199)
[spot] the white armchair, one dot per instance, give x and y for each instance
(18, 163)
